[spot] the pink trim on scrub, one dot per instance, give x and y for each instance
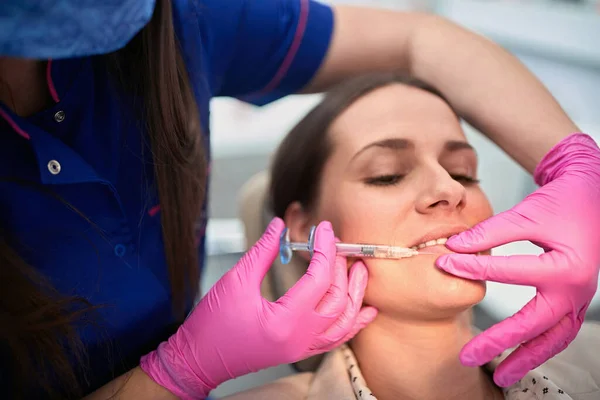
(289, 58)
(53, 93)
(51, 87)
(154, 210)
(14, 125)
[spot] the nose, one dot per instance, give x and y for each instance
(441, 193)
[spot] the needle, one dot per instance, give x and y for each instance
(348, 249)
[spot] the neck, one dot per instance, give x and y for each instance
(419, 360)
(23, 86)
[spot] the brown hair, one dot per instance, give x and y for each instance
(299, 160)
(38, 325)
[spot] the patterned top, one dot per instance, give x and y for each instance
(533, 386)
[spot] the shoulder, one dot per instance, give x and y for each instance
(580, 351)
(577, 369)
(293, 387)
(208, 11)
(330, 381)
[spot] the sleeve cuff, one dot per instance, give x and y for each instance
(305, 55)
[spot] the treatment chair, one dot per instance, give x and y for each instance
(255, 215)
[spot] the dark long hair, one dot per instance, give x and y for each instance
(298, 163)
(38, 325)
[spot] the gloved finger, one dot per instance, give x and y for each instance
(254, 265)
(526, 270)
(366, 315)
(336, 298)
(532, 320)
(354, 296)
(535, 352)
(310, 289)
(505, 227)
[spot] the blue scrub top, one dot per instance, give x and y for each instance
(84, 150)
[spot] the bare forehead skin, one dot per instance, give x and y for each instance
(396, 110)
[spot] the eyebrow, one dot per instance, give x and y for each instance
(400, 144)
(454, 145)
(394, 144)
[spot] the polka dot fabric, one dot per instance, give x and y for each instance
(534, 386)
(361, 391)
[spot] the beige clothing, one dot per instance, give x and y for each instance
(574, 374)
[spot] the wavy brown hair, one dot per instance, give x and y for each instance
(39, 326)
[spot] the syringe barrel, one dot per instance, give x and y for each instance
(394, 252)
(351, 250)
(373, 251)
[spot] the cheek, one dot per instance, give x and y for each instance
(478, 207)
(362, 214)
(416, 289)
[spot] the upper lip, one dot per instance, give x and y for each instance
(438, 233)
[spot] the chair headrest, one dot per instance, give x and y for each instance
(256, 215)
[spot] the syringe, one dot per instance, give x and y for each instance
(286, 249)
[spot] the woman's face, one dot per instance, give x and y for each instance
(401, 173)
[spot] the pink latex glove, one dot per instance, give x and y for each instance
(234, 331)
(562, 217)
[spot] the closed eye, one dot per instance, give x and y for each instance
(389, 180)
(384, 180)
(465, 179)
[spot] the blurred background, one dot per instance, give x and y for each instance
(559, 40)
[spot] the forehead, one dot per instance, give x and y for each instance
(397, 111)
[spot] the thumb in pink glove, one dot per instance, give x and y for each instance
(562, 217)
(234, 331)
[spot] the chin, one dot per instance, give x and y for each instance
(417, 289)
(456, 296)
(450, 293)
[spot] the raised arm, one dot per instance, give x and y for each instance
(487, 86)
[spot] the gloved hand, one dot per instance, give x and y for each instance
(562, 217)
(234, 331)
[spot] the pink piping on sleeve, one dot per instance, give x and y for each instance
(289, 58)
(14, 125)
(154, 210)
(50, 83)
